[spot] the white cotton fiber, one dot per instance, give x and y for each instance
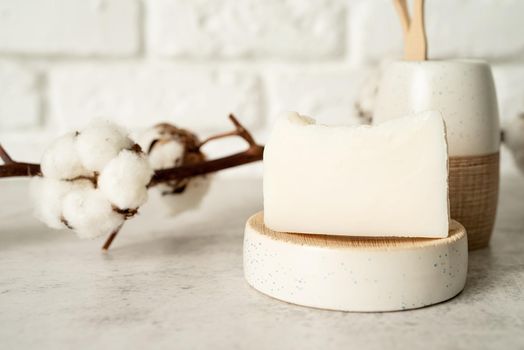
(100, 142)
(166, 154)
(123, 181)
(61, 161)
(90, 213)
(122, 175)
(146, 137)
(190, 199)
(47, 196)
(514, 139)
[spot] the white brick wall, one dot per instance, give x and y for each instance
(19, 97)
(311, 29)
(63, 62)
(140, 95)
(69, 27)
(327, 92)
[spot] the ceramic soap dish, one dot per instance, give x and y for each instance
(355, 273)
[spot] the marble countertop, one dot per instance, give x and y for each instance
(178, 283)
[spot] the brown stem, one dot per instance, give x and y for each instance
(5, 156)
(218, 136)
(12, 168)
(252, 154)
(239, 131)
(20, 169)
(242, 132)
(110, 239)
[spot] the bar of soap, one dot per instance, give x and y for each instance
(385, 180)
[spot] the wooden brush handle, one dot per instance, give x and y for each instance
(402, 9)
(415, 43)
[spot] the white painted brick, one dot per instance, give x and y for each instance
(509, 81)
(327, 94)
(70, 27)
(19, 98)
(26, 145)
(232, 28)
(141, 95)
(490, 29)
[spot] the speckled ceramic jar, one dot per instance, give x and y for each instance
(364, 274)
(464, 92)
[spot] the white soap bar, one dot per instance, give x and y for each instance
(384, 180)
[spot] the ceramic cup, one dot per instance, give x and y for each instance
(464, 92)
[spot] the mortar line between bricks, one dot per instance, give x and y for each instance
(141, 23)
(43, 95)
(151, 62)
(139, 57)
(517, 59)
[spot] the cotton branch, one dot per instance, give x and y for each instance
(253, 153)
(110, 239)
(5, 157)
(239, 131)
(12, 168)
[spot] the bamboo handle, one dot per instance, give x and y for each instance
(415, 48)
(402, 10)
(415, 42)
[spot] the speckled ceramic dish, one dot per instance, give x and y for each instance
(355, 273)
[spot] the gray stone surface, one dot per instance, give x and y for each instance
(177, 283)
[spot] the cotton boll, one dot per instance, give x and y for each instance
(61, 161)
(519, 159)
(366, 99)
(164, 148)
(47, 196)
(90, 214)
(123, 181)
(365, 103)
(147, 137)
(514, 133)
(99, 143)
(170, 146)
(190, 198)
(514, 139)
(166, 154)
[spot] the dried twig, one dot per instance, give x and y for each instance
(252, 154)
(12, 168)
(110, 239)
(5, 156)
(239, 131)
